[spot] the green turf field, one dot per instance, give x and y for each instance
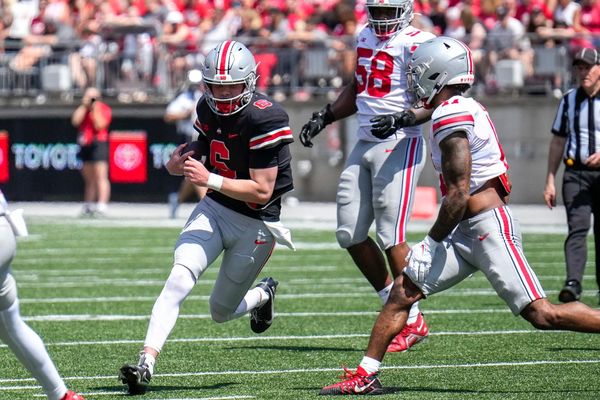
(88, 291)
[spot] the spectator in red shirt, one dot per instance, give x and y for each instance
(92, 119)
(590, 22)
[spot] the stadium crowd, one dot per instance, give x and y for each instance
(146, 47)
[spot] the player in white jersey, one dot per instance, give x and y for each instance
(380, 176)
(14, 332)
(474, 229)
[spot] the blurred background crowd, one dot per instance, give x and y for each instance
(141, 50)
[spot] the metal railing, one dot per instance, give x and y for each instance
(144, 71)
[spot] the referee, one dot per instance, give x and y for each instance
(576, 142)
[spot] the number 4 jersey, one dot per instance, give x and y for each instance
(255, 138)
(381, 77)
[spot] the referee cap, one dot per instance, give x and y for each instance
(588, 56)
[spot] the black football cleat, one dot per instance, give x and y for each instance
(261, 317)
(136, 377)
(570, 292)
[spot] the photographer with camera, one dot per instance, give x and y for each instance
(92, 119)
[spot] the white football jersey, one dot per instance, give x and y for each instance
(381, 76)
(467, 115)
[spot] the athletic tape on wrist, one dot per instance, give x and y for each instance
(214, 182)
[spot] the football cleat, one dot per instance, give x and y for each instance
(71, 395)
(261, 317)
(570, 292)
(353, 383)
(136, 377)
(410, 335)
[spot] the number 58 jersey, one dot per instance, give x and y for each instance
(381, 78)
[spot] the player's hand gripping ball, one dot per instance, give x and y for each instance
(200, 149)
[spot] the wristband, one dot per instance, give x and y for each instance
(214, 182)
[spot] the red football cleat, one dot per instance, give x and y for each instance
(70, 395)
(352, 383)
(409, 336)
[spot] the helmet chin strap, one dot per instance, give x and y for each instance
(439, 84)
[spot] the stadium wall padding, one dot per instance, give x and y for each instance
(38, 152)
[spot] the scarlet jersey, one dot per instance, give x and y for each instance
(257, 137)
(461, 114)
(381, 76)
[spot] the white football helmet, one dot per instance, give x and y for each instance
(386, 17)
(229, 63)
(436, 63)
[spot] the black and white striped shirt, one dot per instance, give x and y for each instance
(578, 119)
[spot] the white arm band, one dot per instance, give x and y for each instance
(214, 182)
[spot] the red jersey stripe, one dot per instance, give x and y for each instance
(452, 120)
(271, 137)
(516, 255)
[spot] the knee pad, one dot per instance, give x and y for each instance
(220, 313)
(179, 284)
(345, 239)
(8, 292)
(192, 257)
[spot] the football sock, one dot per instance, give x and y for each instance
(413, 314)
(147, 360)
(166, 308)
(370, 365)
(101, 207)
(30, 350)
(255, 297)
(384, 293)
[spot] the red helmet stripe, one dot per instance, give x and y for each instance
(223, 56)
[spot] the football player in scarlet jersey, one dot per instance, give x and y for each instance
(380, 177)
(14, 332)
(247, 136)
(474, 230)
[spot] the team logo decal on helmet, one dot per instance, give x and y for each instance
(230, 63)
(386, 17)
(436, 63)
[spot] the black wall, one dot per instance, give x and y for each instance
(43, 162)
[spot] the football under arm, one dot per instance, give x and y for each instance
(456, 171)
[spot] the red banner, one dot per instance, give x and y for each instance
(4, 157)
(128, 156)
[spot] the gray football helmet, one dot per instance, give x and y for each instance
(436, 63)
(386, 17)
(229, 63)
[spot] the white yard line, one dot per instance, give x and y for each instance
(122, 393)
(342, 314)
(316, 370)
(357, 292)
(288, 337)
